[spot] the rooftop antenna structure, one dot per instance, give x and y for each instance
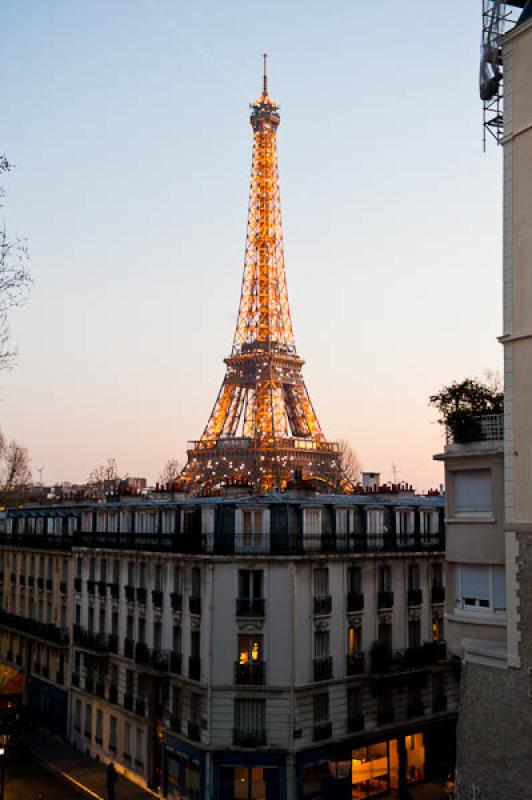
(498, 17)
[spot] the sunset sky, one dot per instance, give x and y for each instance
(128, 125)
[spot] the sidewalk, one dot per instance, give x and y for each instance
(85, 774)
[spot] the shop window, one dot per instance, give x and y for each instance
(250, 648)
(415, 758)
(370, 768)
(473, 491)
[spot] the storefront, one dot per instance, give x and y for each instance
(183, 770)
(240, 776)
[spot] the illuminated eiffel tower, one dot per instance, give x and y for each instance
(263, 430)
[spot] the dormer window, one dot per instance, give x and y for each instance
(207, 520)
(252, 529)
(429, 521)
(375, 521)
(311, 521)
(405, 522)
(345, 523)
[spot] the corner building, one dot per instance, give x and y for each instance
(273, 646)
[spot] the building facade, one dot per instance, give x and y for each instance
(260, 646)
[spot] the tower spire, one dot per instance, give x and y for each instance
(263, 427)
(265, 75)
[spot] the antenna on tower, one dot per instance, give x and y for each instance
(265, 75)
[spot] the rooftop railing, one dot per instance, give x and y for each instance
(482, 428)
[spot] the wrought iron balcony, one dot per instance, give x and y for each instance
(250, 607)
(194, 668)
(130, 593)
(355, 723)
(356, 664)
(157, 598)
(102, 589)
(97, 642)
(355, 601)
(115, 590)
(323, 604)
(244, 738)
(322, 731)
(250, 674)
(322, 668)
(176, 599)
(385, 660)
(438, 594)
(415, 597)
(31, 627)
(194, 604)
(385, 600)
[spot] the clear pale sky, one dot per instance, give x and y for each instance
(128, 125)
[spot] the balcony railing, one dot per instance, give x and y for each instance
(483, 428)
(385, 600)
(415, 597)
(356, 664)
(322, 668)
(355, 723)
(275, 543)
(385, 660)
(322, 731)
(31, 627)
(243, 738)
(250, 606)
(251, 674)
(97, 642)
(323, 604)
(438, 594)
(355, 601)
(194, 668)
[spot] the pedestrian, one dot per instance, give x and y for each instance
(112, 778)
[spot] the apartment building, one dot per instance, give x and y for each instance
(274, 646)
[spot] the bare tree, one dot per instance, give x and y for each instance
(15, 280)
(350, 468)
(16, 467)
(170, 472)
(105, 476)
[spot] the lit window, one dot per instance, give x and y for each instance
(249, 648)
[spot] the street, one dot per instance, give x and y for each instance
(26, 780)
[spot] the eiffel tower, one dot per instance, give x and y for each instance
(263, 430)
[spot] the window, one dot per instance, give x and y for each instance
(91, 619)
(64, 568)
(385, 635)
(139, 747)
(157, 635)
(437, 629)
(176, 639)
(414, 633)
(116, 571)
(101, 626)
(131, 573)
(321, 582)
(437, 575)
(142, 575)
(345, 522)
(99, 726)
(481, 588)
(250, 716)
(385, 578)
(103, 570)
(321, 644)
(159, 577)
(196, 582)
(252, 528)
(354, 580)
(311, 521)
(404, 522)
(127, 740)
(354, 640)
(129, 626)
(354, 703)
(472, 491)
(413, 577)
(77, 716)
(207, 520)
(92, 569)
(142, 630)
(114, 675)
(249, 648)
(375, 521)
(429, 521)
(195, 644)
(114, 623)
(178, 579)
(130, 677)
(88, 721)
(321, 708)
(195, 707)
(250, 584)
(112, 734)
(177, 701)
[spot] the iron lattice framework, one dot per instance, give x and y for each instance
(263, 427)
